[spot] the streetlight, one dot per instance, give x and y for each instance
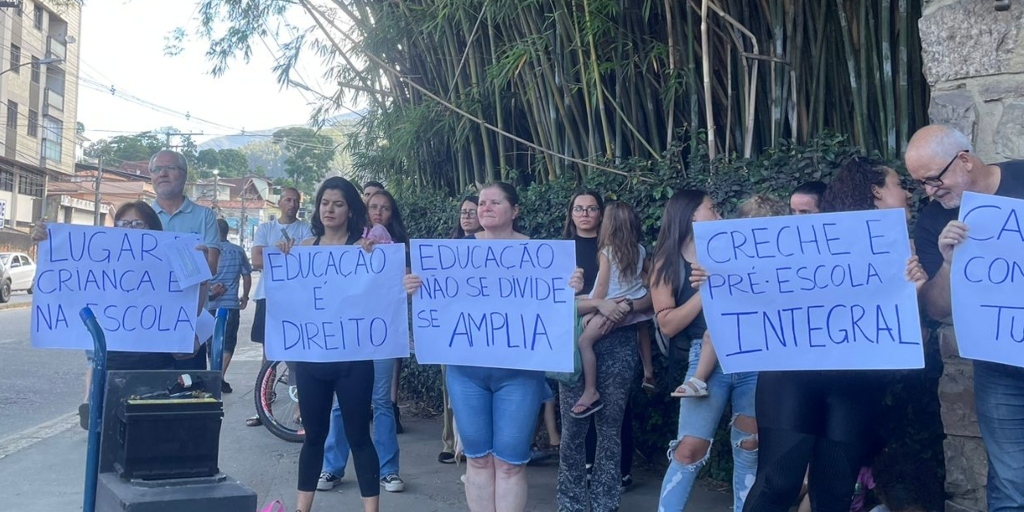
(216, 191)
(41, 62)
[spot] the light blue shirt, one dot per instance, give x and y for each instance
(233, 264)
(191, 218)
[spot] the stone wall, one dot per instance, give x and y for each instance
(974, 63)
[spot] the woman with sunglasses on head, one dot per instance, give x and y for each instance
(824, 418)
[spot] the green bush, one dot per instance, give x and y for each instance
(911, 405)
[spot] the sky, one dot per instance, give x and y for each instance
(122, 46)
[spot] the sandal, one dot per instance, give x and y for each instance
(254, 421)
(692, 388)
(587, 409)
(648, 384)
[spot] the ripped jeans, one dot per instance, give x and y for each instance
(699, 418)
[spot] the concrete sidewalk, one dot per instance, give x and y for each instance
(47, 474)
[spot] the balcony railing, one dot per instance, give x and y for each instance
(56, 49)
(54, 100)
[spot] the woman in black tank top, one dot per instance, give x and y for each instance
(339, 220)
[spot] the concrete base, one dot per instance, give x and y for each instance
(219, 493)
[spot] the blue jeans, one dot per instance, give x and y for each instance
(496, 410)
(385, 435)
(699, 418)
(999, 399)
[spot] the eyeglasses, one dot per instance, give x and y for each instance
(133, 224)
(161, 168)
(936, 181)
(469, 214)
(380, 208)
(590, 210)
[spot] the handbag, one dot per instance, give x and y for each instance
(274, 506)
(571, 378)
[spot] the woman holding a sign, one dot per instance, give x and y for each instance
(678, 308)
(496, 408)
(339, 220)
(824, 418)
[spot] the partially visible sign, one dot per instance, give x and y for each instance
(3, 213)
(121, 275)
(986, 279)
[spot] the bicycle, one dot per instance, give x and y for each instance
(277, 401)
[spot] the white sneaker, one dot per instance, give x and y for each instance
(393, 483)
(327, 481)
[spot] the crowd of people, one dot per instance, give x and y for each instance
(794, 435)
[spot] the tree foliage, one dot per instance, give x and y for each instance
(309, 156)
(464, 92)
(126, 148)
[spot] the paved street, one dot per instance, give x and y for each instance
(42, 449)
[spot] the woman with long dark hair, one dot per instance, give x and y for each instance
(468, 223)
(679, 312)
(340, 219)
(823, 418)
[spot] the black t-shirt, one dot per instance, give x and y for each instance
(698, 326)
(586, 258)
(934, 217)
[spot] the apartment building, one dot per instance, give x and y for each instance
(38, 102)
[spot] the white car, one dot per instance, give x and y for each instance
(21, 268)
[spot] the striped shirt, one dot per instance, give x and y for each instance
(233, 265)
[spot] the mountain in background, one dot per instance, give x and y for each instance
(259, 147)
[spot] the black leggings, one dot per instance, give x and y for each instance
(818, 418)
(352, 383)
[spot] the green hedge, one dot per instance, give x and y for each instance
(912, 405)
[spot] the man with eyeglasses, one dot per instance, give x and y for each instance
(942, 161)
(168, 171)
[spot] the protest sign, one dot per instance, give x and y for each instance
(189, 265)
(495, 303)
(810, 292)
(336, 303)
(122, 276)
(986, 278)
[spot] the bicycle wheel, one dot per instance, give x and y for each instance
(277, 402)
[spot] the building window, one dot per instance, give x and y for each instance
(31, 185)
(7, 180)
(52, 134)
(12, 114)
(33, 123)
(37, 17)
(36, 68)
(15, 58)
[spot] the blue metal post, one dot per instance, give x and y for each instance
(99, 382)
(217, 344)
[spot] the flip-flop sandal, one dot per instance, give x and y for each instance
(254, 421)
(648, 385)
(588, 409)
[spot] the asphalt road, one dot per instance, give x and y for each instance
(42, 449)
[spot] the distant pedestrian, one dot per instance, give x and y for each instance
(268, 234)
(233, 265)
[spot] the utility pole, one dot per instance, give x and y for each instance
(243, 225)
(99, 180)
(168, 135)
